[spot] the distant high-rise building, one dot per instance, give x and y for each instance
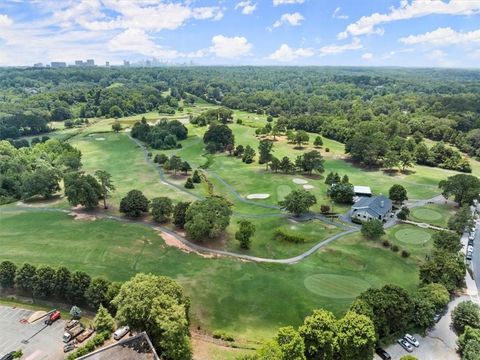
(78, 62)
(107, 63)
(90, 62)
(38, 65)
(58, 64)
(126, 63)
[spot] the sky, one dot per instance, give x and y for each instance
(412, 33)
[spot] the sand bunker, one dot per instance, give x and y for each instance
(300, 181)
(258, 196)
(100, 138)
(308, 187)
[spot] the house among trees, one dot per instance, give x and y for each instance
(368, 208)
(362, 191)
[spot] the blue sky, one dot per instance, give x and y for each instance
(440, 33)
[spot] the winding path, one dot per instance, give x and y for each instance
(191, 245)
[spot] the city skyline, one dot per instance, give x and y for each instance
(417, 33)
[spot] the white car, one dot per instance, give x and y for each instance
(469, 248)
(121, 332)
(405, 344)
(412, 340)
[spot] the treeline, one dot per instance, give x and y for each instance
(46, 282)
(35, 171)
(439, 104)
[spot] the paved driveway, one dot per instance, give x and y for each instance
(438, 344)
(37, 341)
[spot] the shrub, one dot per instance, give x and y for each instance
(239, 121)
(405, 254)
(395, 248)
(324, 209)
(386, 243)
(327, 149)
(282, 235)
(466, 313)
(189, 184)
(218, 334)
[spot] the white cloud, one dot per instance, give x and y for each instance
(230, 47)
(294, 19)
(417, 8)
(356, 44)
(146, 15)
(137, 41)
(5, 20)
(286, 53)
(336, 14)
(367, 56)
(443, 37)
(287, 2)
(247, 7)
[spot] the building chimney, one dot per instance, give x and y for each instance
(382, 204)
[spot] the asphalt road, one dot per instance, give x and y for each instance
(476, 256)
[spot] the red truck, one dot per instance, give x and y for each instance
(54, 316)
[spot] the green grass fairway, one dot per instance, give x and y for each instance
(426, 214)
(335, 286)
(227, 294)
(121, 157)
(413, 236)
(433, 214)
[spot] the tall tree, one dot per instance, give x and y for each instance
(82, 189)
(134, 203)
(105, 180)
(161, 209)
(207, 218)
(7, 274)
(157, 305)
(265, 151)
(397, 193)
(319, 332)
(356, 337)
(464, 188)
(298, 202)
(244, 233)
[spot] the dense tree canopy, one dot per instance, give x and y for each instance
(157, 305)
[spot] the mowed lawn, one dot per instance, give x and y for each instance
(126, 162)
(433, 214)
(249, 300)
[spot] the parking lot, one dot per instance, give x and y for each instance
(37, 340)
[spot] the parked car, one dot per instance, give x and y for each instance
(382, 353)
(85, 335)
(469, 248)
(68, 347)
(54, 316)
(437, 317)
(469, 255)
(121, 332)
(471, 236)
(8, 356)
(405, 344)
(470, 242)
(412, 340)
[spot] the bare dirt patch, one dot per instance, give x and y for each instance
(83, 216)
(171, 240)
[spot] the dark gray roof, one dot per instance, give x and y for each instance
(137, 347)
(376, 205)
